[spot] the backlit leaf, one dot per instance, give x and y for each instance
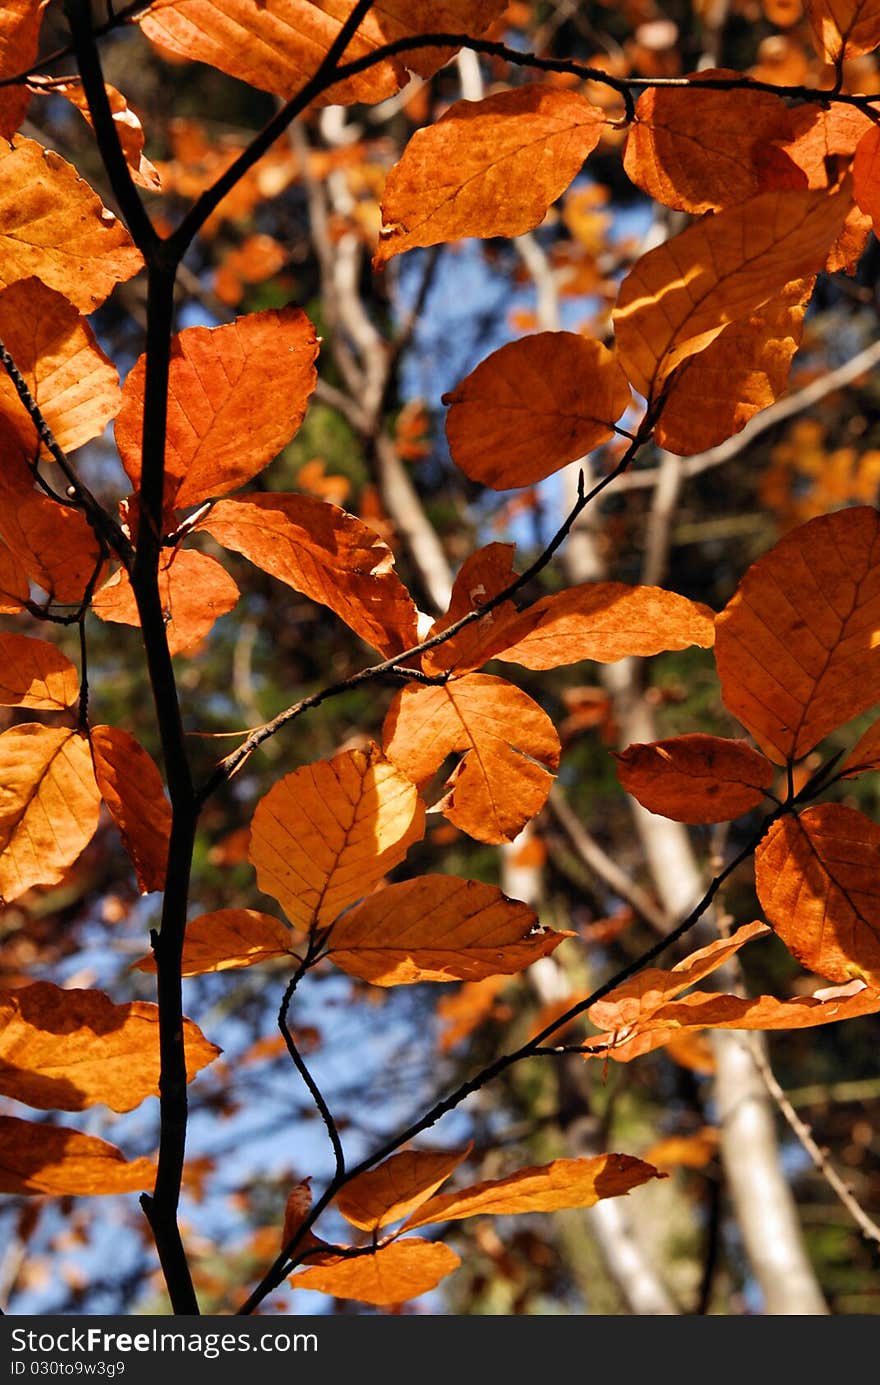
(195, 590)
(53, 226)
(132, 788)
(817, 879)
(391, 1274)
(128, 127)
(40, 1158)
(482, 576)
(73, 1049)
(14, 585)
(547, 1188)
(438, 928)
(844, 28)
(20, 22)
(54, 545)
(327, 555)
(236, 396)
(487, 168)
(34, 673)
(532, 407)
(227, 939)
(509, 743)
(796, 647)
(696, 778)
(681, 295)
(866, 174)
(396, 1187)
(865, 754)
(325, 835)
(49, 804)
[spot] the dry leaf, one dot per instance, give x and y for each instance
(195, 592)
(229, 938)
(52, 1159)
(396, 1187)
(35, 674)
(391, 1274)
(132, 788)
(696, 778)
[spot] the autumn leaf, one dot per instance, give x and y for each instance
(325, 835)
(482, 577)
(35, 674)
(396, 1187)
(533, 406)
(326, 554)
(73, 1049)
(54, 545)
(817, 880)
(74, 385)
(391, 1274)
(50, 1159)
(49, 804)
(697, 150)
(794, 646)
(466, 1009)
(866, 174)
(20, 22)
(128, 127)
(221, 379)
(227, 939)
(14, 585)
(438, 928)
(547, 1188)
(487, 168)
(696, 778)
(509, 743)
(52, 226)
(195, 591)
(680, 296)
(865, 754)
(843, 28)
(132, 788)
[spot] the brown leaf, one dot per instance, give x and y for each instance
(20, 22)
(487, 168)
(236, 396)
(391, 1274)
(396, 1187)
(865, 754)
(696, 778)
(55, 546)
(510, 745)
(794, 646)
(817, 880)
(35, 674)
(438, 928)
(533, 406)
(229, 938)
(467, 1008)
(325, 835)
(127, 126)
(686, 1151)
(866, 174)
(326, 554)
(481, 577)
(49, 804)
(52, 1159)
(73, 1049)
(680, 296)
(547, 1188)
(195, 590)
(132, 788)
(843, 28)
(53, 226)
(14, 585)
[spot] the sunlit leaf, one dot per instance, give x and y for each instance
(132, 788)
(14, 585)
(482, 576)
(533, 406)
(325, 835)
(128, 127)
(34, 673)
(396, 1187)
(696, 778)
(40, 1158)
(229, 938)
(865, 754)
(54, 545)
(73, 1049)
(866, 174)
(49, 804)
(20, 22)
(195, 591)
(843, 28)
(391, 1274)
(438, 928)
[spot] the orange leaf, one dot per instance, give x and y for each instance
(55, 546)
(278, 47)
(686, 1151)
(128, 127)
(713, 395)
(605, 621)
(35, 674)
(327, 555)
(73, 1049)
(696, 778)
(438, 928)
(487, 168)
(866, 174)
(698, 150)
(843, 28)
(52, 1159)
(20, 22)
(132, 788)
(397, 1187)
(481, 577)
(546, 1188)
(461, 1013)
(14, 585)
(680, 296)
(229, 938)
(195, 590)
(325, 835)
(49, 804)
(53, 226)
(817, 880)
(533, 406)
(236, 396)
(391, 1274)
(510, 750)
(865, 754)
(795, 645)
